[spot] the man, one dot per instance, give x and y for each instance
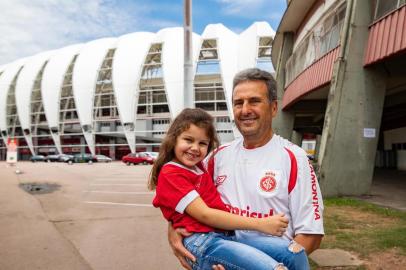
(261, 173)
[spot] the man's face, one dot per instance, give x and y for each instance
(252, 110)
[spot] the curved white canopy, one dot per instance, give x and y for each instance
(24, 86)
(227, 51)
(85, 74)
(5, 81)
(52, 80)
(172, 64)
(127, 66)
(249, 41)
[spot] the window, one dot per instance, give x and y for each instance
(384, 7)
(323, 38)
(208, 58)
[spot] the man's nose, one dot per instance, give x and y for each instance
(245, 108)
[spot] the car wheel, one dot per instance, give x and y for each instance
(144, 163)
(128, 163)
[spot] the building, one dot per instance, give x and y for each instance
(118, 95)
(342, 82)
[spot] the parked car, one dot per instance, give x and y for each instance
(52, 158)
(137, 158)
(36, 158)
(103, 158)
(154, 155)
(83, 158)
(65, 158)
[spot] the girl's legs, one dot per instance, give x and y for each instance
(215, 248)
(292, 255)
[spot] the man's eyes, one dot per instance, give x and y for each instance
(237, 103)
(251, 101)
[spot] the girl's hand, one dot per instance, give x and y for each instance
(275, 225)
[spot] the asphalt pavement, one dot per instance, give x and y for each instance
(99, 216)
(80, 216)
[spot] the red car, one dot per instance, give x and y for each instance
(137, 158)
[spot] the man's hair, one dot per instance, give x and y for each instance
(256, 74)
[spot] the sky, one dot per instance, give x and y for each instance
(28, 27)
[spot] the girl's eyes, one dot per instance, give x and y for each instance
(203, 143)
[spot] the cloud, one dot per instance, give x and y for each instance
(28, 27)
(253, 9)
(238, 7)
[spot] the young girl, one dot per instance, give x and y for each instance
(187, 197)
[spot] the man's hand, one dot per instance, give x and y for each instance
(175, 239)
(218, 267)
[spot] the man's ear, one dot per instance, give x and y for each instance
(274, 108)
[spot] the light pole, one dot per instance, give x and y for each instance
(188, 54)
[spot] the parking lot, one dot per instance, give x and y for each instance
(100, 217)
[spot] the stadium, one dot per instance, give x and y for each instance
(114, 96)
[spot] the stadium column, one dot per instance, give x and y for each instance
(283, 122)
(354, 109)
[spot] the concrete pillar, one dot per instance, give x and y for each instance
(112, 148)
(282, 124)
(317, 149)
(296, 138)
(82, 148)
(353, 115)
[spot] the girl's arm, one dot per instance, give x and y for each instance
(198, 209)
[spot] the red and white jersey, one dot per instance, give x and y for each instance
(177, 187)
(271, 179)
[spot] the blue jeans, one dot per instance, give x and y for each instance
(217, 248)
(278, 248)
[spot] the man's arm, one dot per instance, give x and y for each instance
(175, 239)
(310, 242)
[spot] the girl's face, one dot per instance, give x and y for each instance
(191, 146)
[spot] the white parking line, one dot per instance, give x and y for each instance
(114, 184)
(120, 192)
(126, 204)
(101, 179)
(118, 182)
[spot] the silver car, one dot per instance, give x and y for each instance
(103, 158)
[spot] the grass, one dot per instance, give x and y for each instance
(362, 227)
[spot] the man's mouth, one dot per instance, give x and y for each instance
(248, 121)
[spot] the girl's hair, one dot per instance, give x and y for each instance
(182, 122)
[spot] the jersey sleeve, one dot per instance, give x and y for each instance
(174, 191)
(305, 200)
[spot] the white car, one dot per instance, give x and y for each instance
(103, 158)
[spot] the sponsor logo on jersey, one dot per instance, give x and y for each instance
(220, 180)
(315, 198)
(268, 182)
(247, 213)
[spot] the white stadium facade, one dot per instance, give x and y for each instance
(113, 96)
